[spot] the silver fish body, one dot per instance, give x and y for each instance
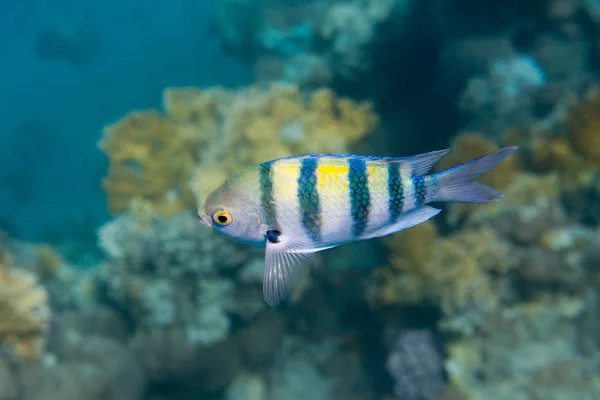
(296, 206)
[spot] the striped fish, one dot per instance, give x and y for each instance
(296, 206)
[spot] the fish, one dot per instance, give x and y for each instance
(299, 205)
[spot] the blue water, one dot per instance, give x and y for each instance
(72, 67)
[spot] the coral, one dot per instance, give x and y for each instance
(166, 272)
(574, 155)
(592, 8)
(260, 341)
(150, 160)
(414, 246)
(262, 124)
(8, 385)
(550, 153)
(323, 369)
(531, 206)
(416, 366)
(173, 247)
(24, 311)
(49, 261)
(463, 273)
(247, 387)
(95, 320)
(295, 376)
(91, 368)
(309, 43)
(528, 350)
(505, 93)
(167, 163)
(584, 125)
(350, 27)
(166, 356)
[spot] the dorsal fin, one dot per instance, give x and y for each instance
(421, 164)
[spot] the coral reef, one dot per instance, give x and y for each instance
(308, 43)
(529, 350)
(505, 93)
(488, 301)
(416, 366)
(24, 311)
(584, 126)
(168, 163)
(149, 160)
(169, 273)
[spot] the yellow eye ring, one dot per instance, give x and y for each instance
(223, 218)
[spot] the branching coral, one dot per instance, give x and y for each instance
(159, 162)
(24, 312)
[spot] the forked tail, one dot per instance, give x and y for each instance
(457, 184)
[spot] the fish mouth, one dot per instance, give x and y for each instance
(205, 218)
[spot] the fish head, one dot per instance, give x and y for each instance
(233, 209)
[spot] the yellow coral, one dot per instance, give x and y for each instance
(24, 311)
(552, 153)
(584, 125)
(460, 269)
(172, 161)
(526, 190)
(456, 271)
(263, 123)
(412, 247)
(150, 160)
(575, 156)
(517, 328)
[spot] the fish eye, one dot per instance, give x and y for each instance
(222, 218)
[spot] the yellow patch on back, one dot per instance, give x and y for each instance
(332, 176)
(373, 171)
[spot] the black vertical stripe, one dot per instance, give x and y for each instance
(420, 189)
(308, 197)
(360, 201)
(267, 200)
(395, 192)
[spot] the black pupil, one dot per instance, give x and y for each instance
(222, 218)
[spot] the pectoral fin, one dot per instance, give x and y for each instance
(285, 266)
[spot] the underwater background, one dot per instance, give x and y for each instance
(120, 117)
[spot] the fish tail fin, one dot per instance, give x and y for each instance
(457, 184)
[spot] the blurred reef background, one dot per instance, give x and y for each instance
(119, 119)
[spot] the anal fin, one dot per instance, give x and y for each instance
(285, 266)
(410, 218)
